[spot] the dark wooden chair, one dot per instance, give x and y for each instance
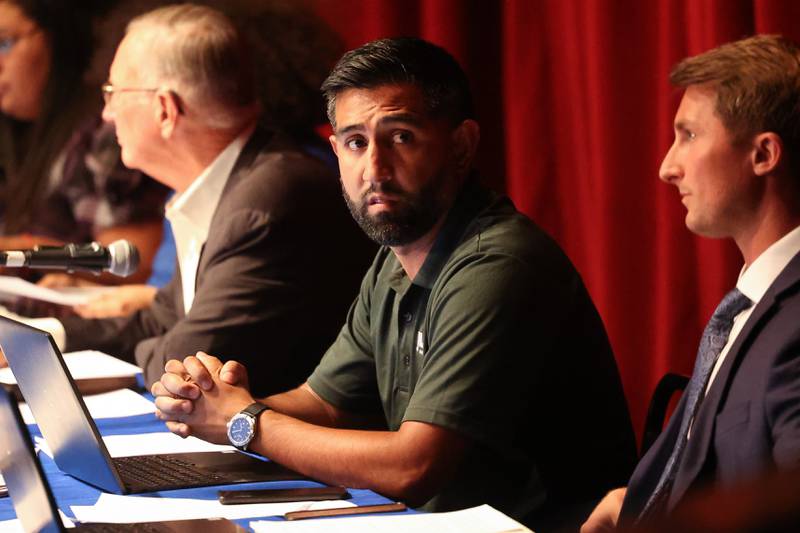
(657, 410)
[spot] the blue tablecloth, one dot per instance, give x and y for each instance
(69, 491)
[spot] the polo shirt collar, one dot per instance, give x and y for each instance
(470, 201)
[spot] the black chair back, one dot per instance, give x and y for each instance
(657, 410)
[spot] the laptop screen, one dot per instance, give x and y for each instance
(58, 408)
(23, 474)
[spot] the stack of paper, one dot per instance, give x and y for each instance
(118, 403)
(86, 364)
(94, 372)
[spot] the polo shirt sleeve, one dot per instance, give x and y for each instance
(491, 319)
(345, 377)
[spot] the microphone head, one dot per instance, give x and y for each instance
(124, 258)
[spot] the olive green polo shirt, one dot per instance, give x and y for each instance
(419, 347)
(447, 348)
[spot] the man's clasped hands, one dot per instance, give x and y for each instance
(199, 395)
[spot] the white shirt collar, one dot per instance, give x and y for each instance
(191, 211)
(758, 277)
(196, 205)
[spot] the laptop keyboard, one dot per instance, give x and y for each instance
(161, 471)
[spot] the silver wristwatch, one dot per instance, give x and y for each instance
(242, 426)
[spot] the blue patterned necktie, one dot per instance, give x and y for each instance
(714, 338)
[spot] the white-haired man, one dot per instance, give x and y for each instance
(181, 95)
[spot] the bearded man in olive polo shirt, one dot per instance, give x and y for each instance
(473, 367)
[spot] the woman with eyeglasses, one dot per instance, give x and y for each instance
(61, 179)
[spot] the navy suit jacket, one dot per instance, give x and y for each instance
(749, 422)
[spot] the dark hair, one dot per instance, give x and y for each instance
(403, 60)
(295, 51)
(30, 148)
(757, 85)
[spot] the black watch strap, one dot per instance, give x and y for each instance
(255, 409)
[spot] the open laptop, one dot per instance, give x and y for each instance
(79, 451)
(33, 500)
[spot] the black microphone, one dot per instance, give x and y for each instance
(121, 258)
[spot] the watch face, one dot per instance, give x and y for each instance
(240, 431)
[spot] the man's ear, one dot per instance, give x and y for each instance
(767, 153)
(167, 112)
(466, 137)
(334, 146)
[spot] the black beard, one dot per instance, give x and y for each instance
(415, 215)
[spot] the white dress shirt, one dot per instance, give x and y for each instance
(754, 281)
(190, 212)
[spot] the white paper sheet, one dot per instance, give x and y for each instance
(15, 526)
(14, 286)
(149, 444)
(155, 443)
(87, 364)
(121, 509)
(481, 519)
(122, 402)
(11, 526)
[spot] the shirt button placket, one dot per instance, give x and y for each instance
(405, 319)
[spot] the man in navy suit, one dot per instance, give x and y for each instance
(736, 164)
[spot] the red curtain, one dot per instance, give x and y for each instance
(576, 114)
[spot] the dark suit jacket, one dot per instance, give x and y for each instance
(282, 263)
(749, 422)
